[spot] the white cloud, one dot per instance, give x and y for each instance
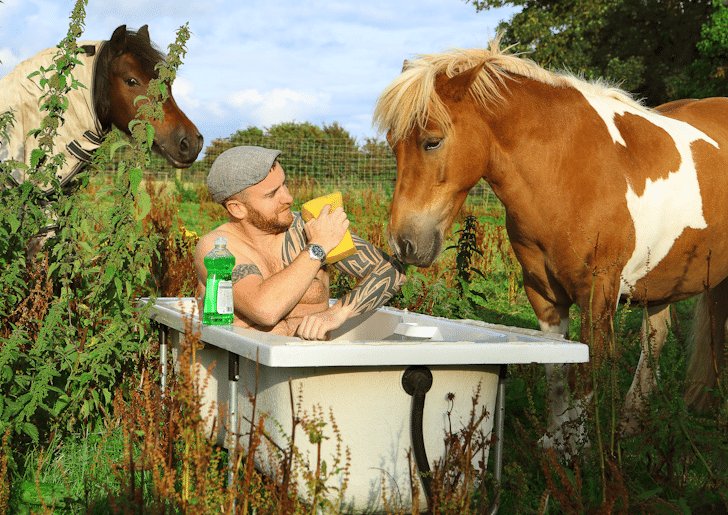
(8, 59)
(263, 62)
(245, 97)
(183, 91)
(279, 105)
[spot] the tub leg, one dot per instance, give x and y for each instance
(163, 331)
(500, 414)
(233, 377)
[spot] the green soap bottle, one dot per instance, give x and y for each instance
(218, 306)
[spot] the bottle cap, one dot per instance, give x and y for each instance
(220, 240)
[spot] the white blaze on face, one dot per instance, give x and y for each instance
(667, 206)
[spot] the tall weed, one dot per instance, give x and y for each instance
(71, 330)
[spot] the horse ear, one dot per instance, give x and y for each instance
(118, 39)
(455, 88)
(405, 65)
(144, 32)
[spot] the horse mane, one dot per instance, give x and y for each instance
(411, 101)
(147, 54)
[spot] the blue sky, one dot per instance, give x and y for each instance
(264, 62)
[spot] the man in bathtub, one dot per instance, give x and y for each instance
(280, 281)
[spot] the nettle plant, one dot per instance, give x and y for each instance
(71, 332)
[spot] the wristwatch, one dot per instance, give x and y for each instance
(316, 251)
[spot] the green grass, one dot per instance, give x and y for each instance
(72, 476)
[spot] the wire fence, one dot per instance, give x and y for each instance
(340, 164)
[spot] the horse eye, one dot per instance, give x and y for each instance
(432, 144)
(131, 82)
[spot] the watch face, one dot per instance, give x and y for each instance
(317, 252)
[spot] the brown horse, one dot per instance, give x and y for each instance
(114, 73)
(605, 199)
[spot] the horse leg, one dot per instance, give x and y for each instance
(566, 430)
(554, 318)
(654, 332)
(707, 342)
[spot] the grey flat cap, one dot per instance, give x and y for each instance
(238, 168)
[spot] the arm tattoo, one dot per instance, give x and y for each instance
(381, 277)
(294, 241)
(241, 271)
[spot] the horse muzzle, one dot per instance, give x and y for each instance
(420, 249)
(181, 148)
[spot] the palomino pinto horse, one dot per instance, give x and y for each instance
(605, 199)
(114, 73)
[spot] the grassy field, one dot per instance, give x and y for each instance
(676, 463)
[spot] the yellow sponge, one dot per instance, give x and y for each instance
(311, 210)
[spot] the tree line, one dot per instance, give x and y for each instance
(661, 50)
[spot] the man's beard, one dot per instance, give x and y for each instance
(270, 225)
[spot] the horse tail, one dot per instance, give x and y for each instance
(707, 344)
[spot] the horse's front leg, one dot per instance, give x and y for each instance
(654, 332)
(554, 318)
(571, 388)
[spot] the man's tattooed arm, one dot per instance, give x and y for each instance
(381, 276)
(294, 241)
(244, 270)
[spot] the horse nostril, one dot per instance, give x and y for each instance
(191, 145)
(408, 248)
(405, 247)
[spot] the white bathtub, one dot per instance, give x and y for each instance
(358, 377)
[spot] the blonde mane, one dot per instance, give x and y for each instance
(411, 101)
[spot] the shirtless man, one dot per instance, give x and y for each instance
(280, 281)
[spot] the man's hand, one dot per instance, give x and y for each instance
(328, 228)
(318, 325)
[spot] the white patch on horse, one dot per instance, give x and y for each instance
(562, 328)
(668, 206)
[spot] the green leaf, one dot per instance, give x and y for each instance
(85, 409)
(144, 204)
(110, 272)
(38, 494)
(117, 145)
(30, 430)
(61, 404)
(150, 134)
(14, 223)
(35, 156)
(135, 178)
(162, 89)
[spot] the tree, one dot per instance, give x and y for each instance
(706, 76)
(659, 49)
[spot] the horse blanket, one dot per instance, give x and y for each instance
(79, 135)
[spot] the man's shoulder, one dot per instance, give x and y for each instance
(207, 241)
(222, 231)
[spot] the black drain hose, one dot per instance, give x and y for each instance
(417, 381)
